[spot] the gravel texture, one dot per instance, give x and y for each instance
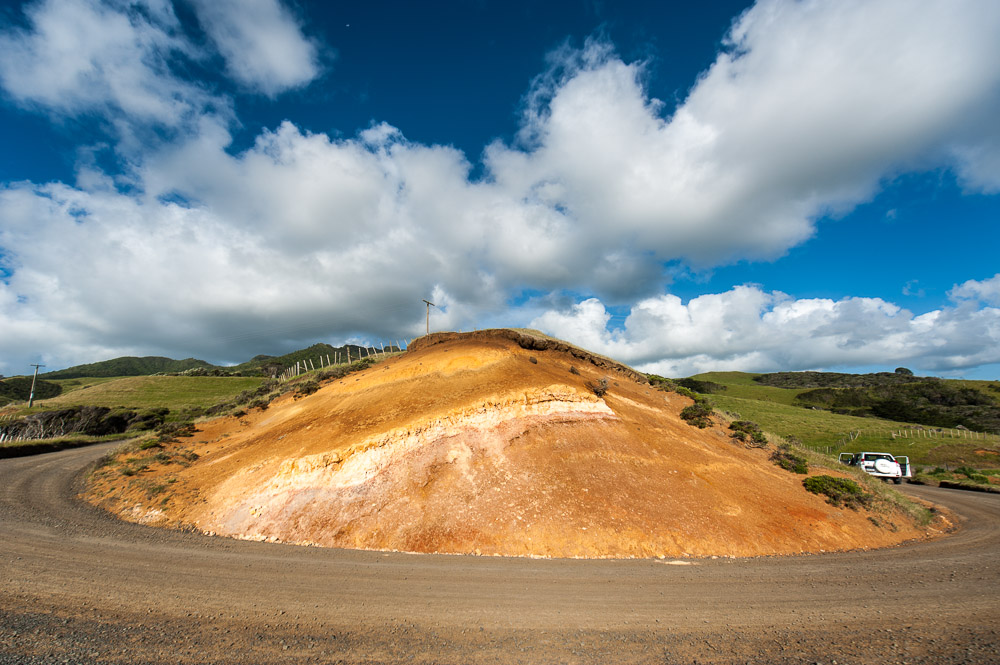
(77, 586)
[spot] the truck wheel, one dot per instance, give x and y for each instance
(898, 481)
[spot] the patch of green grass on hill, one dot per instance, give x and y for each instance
(728, 378)
(69, 385)
(828, 432)
(741, 384)
(816, 429)
(143, 392)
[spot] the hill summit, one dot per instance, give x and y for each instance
(494, 442)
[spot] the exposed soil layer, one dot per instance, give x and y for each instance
(492, 443)
(79, 586)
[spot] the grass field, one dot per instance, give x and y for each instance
(774, 410)
(741, 385)
(816, 429)
(145, 392)
(69, 385)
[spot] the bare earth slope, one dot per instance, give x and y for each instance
(491, 443)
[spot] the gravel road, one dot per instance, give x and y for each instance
(81, 587)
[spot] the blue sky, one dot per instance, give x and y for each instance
(751, 186)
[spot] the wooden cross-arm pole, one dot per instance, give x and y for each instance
(429, 305)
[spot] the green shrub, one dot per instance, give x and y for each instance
(148, 419)
(218, 408)
(749, 433)
(306, 388)
(697, 415)
(661, 383)
(690, 394)
(599, 388)
(839, 491)
(705, 387)
(170, 431)
(786, 458)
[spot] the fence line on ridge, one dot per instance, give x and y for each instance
(377, 351)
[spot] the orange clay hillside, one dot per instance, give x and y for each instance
(491, 442)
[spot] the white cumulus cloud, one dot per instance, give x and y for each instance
(219, 252)
(82, 56)
(748, 329)
(262, 43)
(986, 291)
(809, 108)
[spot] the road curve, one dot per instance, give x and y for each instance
(80, 586)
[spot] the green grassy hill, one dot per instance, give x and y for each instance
(316, 352)
(780, 411)
(18, 389)
(127, 366)
(70, 382)
(176, 393)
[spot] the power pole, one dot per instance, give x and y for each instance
(429, 305)
(31, 395)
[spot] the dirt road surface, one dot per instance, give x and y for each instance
(78, 586)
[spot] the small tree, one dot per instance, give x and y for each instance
(749, 433)
(699, 415)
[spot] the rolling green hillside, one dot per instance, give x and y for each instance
(176, 393)
(783, 412)
(261, 365)
(18, 389)
(127, 366)
(265, 364)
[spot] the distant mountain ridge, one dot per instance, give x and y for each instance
(128, 366)
(260, 364)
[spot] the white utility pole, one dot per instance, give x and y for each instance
(31, 395)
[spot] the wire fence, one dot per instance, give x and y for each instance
(913, 435)
(4, 436)
(12, 429)
(377, 351)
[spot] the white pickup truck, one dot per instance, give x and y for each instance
(880, 465)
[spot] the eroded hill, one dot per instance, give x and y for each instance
(492, 442)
